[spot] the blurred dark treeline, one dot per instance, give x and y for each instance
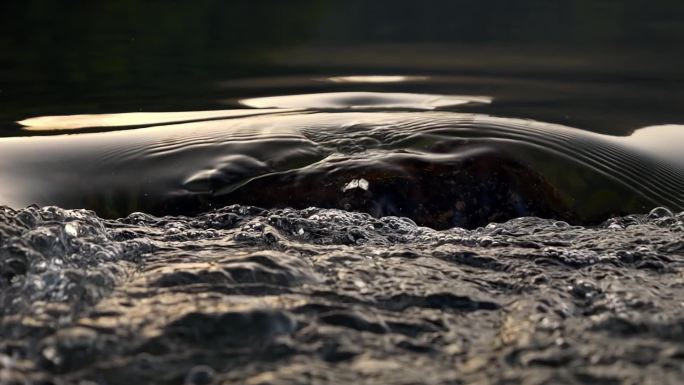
(98, 52)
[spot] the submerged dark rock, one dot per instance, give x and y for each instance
(472, 188)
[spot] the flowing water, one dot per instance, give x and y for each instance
(324, 192)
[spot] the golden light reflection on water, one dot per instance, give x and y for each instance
(376, 79)
(262, 105)
(365, 100)
(662, 141)
(75, 122)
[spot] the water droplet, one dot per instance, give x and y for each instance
(71, 229)
(660, 212)
(356, 183)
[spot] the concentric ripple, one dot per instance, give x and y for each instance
(364, 100)
(440, 168)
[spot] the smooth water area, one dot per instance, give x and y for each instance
(268, 192)
(418, 155)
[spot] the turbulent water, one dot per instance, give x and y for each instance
(254, 296)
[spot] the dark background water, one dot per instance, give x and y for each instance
(608, 66)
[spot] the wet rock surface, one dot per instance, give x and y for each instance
(286, 296)
(476, 186)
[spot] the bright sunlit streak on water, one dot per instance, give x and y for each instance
(375, 79)
(74, 122)
(663, 141)
(365, 100)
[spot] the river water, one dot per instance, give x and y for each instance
(323, 192)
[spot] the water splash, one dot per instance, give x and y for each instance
(289, 293)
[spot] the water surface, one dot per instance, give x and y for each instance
(418, 156)
(271, 192)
